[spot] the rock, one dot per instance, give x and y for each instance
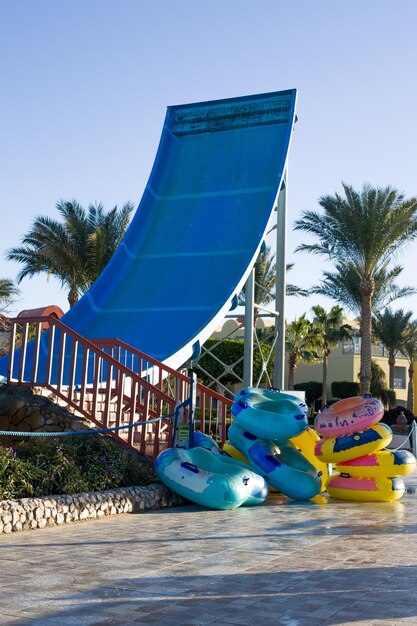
(6, 518)
(16, 405)
(39, 512)
(84, 513)
(37, 422)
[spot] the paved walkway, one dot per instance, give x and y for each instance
(327, 563)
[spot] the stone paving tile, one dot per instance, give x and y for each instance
(11, 620)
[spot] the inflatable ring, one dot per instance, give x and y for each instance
(209, 478)
(271, 394)
(283, 467)
(365, 489)
(380, 464)
(349, 416)
(269, 414)
(340, 449)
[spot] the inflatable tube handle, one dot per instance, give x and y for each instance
(190, 466)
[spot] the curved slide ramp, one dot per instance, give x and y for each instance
(198, 228)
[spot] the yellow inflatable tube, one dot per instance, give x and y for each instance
(365, 489)
(306, 443)
(382, 464)
(234, 452)
(348, 447)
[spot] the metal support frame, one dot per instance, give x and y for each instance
(192, 407)
(249, 321)
(279, 313)
(280, 286)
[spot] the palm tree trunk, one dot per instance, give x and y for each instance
(410, 392)
(391, 364)
(366, 290)
(292, 366)
(324, 390)
(73, 296)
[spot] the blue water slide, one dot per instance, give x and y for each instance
(198, 228)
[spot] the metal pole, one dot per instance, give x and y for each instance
(280, 286)
(249, 317)
(192, 408)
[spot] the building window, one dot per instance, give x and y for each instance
(351, 345)
(400, 377)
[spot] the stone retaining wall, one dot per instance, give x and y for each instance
(23, 410)
(32, 513)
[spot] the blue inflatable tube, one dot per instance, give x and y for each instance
(269, 414)
(271, 394)
(211, 479)
(283, 467)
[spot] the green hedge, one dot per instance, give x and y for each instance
(345, 389)
(312, 388)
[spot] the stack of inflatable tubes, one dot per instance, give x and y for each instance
(265, 420)
(354, 441)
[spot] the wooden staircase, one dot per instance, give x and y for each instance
(109, 383)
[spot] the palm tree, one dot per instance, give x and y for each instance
(294, 290)
(360, 232)
(344, 287)
(265, 280)
(378, 387)
(331, 329)
(409, 349)
(391, 327)
(302, 343)
(8, 292)
(75, 251)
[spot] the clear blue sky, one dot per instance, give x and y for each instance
(85, 85)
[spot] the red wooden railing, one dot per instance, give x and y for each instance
(213, 409)
(108, 382)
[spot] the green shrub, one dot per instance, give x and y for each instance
(71, 465)
(17, 476)
(345, 389)
(313, 390)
